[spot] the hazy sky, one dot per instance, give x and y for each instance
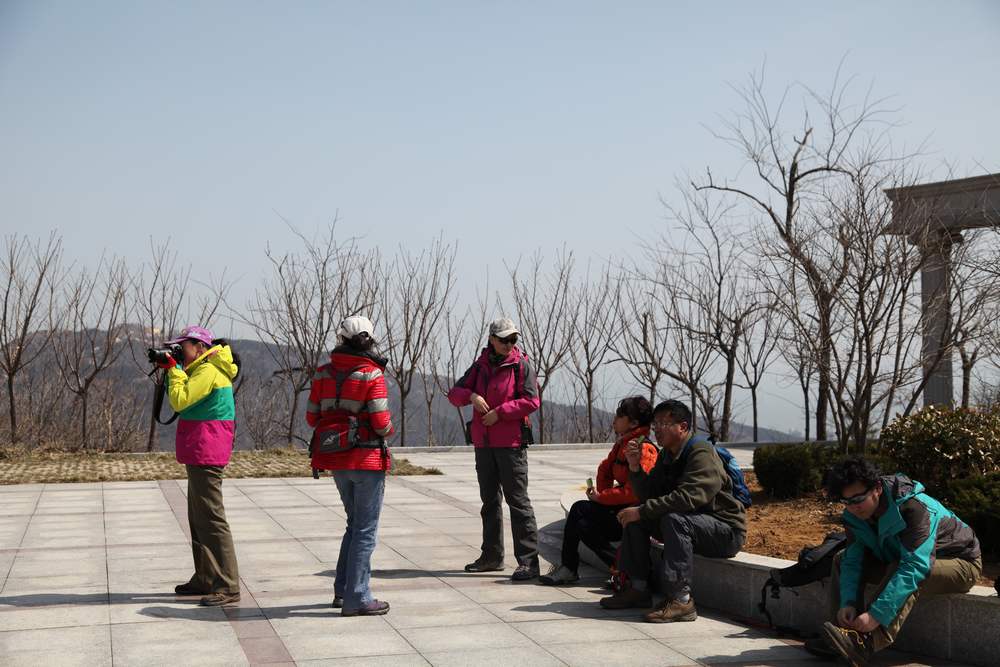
(507, 126)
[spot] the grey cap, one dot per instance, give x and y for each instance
(354, 325)
(503, 327)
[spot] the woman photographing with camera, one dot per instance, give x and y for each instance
(200, 390)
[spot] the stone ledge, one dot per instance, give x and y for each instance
(964, 628)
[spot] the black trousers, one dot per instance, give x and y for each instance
(503, 474)
(683, 536)
(595, 525)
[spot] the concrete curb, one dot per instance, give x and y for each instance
(964, 627)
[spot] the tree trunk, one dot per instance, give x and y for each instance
(966, 383)
(83, 421)
(13, 408)
(293, 412)
(823, 367)
(694, 410)
(753, 402)
(151, 433)
(727, 401)
(430, 422)
(541, 415)
(590, 413)
(402, 419)
(808, 412)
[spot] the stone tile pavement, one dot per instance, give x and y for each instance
(87, 573)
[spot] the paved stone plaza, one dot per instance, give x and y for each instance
(87, 574)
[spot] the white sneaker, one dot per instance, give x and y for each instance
(559, 575)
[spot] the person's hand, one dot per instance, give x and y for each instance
(628, 515)
(479, 404)
(491, 418)
(865, 623)
(591, 492)
(633, 454)
(846, 617)
(168, 364)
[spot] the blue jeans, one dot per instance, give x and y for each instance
(361, 491)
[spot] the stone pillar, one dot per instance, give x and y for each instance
(935, 294)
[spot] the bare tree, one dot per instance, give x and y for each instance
(158, 289)
(118, 419)
(758, 348)
(92, 340)
(450, 367)
(638, 343)
(975, 305)
(792, 172)
(701, 266)
(429, 372)
(298, 309)
(30, 274)
(261, 411)
(417, 294)
(596, 323)
(541, 293)
(690, 353)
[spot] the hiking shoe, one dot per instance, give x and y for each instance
(483, 565)
(856, 647)
(559, 575)
(672, 611)
(338, 602)
(188, 589)
(524, 573)
(628, 599)
(820, 648)
(373, 608)
(219, 599)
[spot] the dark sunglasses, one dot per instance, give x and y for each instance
(858, 499)
(509, 340)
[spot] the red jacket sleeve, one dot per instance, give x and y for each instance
(312, 408)
(461, 394)
(623, 495)
(377, 406)
(605, 473)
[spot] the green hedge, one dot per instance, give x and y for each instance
(938, 446)
(789, 471)
(976, 501)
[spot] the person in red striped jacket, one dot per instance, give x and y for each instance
(349, 410)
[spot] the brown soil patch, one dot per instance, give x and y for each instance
(780, 528)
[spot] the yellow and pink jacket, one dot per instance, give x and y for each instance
(202, 393)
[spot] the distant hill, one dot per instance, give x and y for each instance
(260, 393)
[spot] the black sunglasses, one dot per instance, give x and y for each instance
(858, 499)
(509, 340)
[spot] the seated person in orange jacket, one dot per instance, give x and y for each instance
(595, 521)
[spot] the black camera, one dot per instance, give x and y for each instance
(161, 355)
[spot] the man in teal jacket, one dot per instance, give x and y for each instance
(900, 539)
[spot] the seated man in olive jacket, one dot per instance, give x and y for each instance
(686, 501)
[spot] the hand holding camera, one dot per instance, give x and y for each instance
(166, 357)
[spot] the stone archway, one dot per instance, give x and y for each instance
(933, 216)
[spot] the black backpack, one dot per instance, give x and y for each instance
(814, 564)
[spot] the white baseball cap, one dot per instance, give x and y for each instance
(354, 325)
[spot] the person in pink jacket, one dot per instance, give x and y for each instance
(502, 388)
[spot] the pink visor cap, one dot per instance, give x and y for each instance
(193, 333)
